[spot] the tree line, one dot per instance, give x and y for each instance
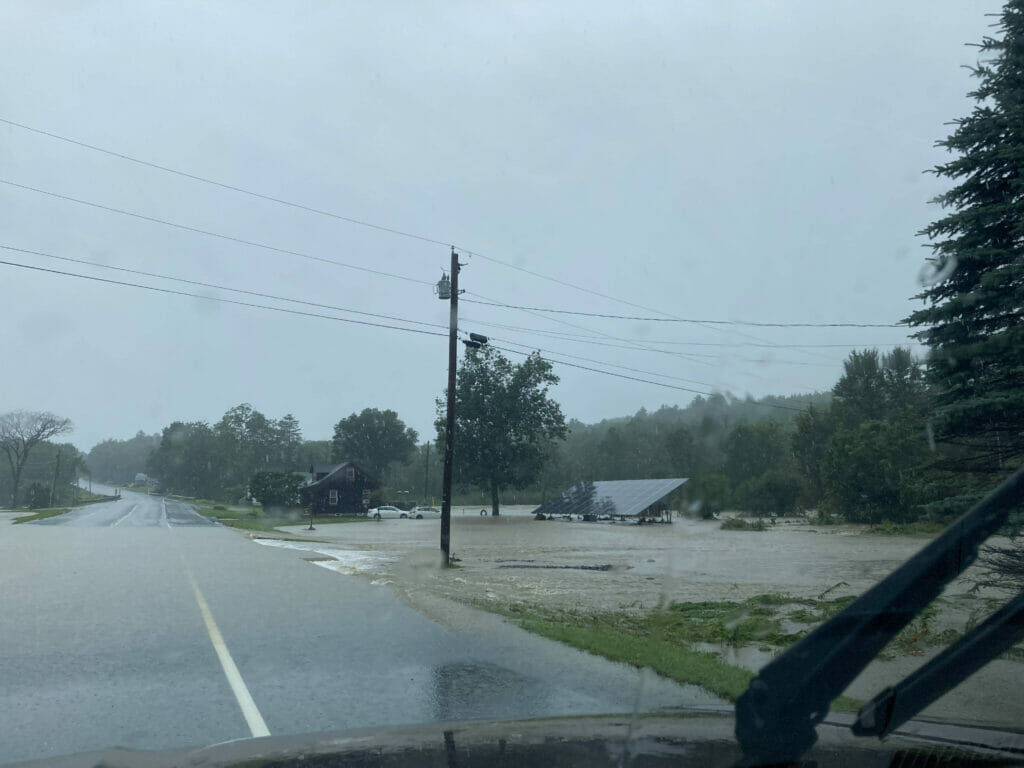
(37, 471)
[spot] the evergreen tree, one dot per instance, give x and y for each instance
(972, 320)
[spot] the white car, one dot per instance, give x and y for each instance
(420, 513)
(379, 513)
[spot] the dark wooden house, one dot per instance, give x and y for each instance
(338, 489)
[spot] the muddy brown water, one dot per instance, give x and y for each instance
(514, 559)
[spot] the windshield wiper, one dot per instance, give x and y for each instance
(777, 714)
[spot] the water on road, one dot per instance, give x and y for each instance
(132, 510)
(122, 623)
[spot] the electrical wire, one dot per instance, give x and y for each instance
(630, 343)
(202, 284)
(220, 299)
(666, 317)
(601, 362)
(207, 232)
(222, 185)
(645, 381)
(335, 308)
(319, 315)
(684, 319)
(707, 323)
(633, 344)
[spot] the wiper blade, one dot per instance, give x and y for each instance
(777, 714)
(897, 704)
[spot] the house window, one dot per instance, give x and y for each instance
(332, 497)
(350, 474)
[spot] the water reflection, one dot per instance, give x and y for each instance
(481, 691)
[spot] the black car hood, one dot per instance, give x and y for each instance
(694, 738)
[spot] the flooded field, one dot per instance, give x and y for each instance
(514, 560)
(612, 566)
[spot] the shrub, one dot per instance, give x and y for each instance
(739, 524)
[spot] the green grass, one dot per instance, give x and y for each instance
(739, 524)
(253, 519)
(247, 524)
(41, 514)
(665, 658)
(919, 528)
(83, 497)
(661, 648)
(335, 520)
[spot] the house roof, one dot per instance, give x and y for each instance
(611, 497)
(329, 470)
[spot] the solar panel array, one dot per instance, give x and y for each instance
(611, 497)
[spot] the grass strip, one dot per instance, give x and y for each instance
(662, 650)
(667, 659)
(335, 520)
(41, 514)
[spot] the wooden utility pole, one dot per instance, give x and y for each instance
(426, 475)
(449, 429)
(56, 473)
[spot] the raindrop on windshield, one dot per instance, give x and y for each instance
(935, 270)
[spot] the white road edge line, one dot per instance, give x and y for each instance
(122, 519)
(252, 715)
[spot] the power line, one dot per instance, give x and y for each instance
(666, 317)
(758, 361)
(404, 233)
(631, 343)
(220, 299)
(602, 362)
(637, 343)
(216, 286)
(644, 381)
(685, 319)
(222, 185)
(196, 230)
(202, 284)
(252, 305)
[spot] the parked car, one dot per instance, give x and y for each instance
(386, 511)
(420, 513)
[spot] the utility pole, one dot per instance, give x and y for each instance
(56, 472)
(449, 429)
(426, 474)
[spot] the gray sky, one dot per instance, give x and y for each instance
(720, 160)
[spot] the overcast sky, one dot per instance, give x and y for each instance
(744, 161)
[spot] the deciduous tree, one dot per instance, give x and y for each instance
(20, 433)
(506, 425)
(373, 438)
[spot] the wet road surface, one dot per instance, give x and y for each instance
(133, 510)
(153, 633)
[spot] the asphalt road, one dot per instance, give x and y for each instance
(134, 510)
(134, 624)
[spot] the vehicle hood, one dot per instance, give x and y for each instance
(698, 738)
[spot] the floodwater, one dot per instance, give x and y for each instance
(591, 567)
(610, 566)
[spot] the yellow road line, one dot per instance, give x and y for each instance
(134, 507)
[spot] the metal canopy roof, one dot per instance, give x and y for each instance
(611, 497)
